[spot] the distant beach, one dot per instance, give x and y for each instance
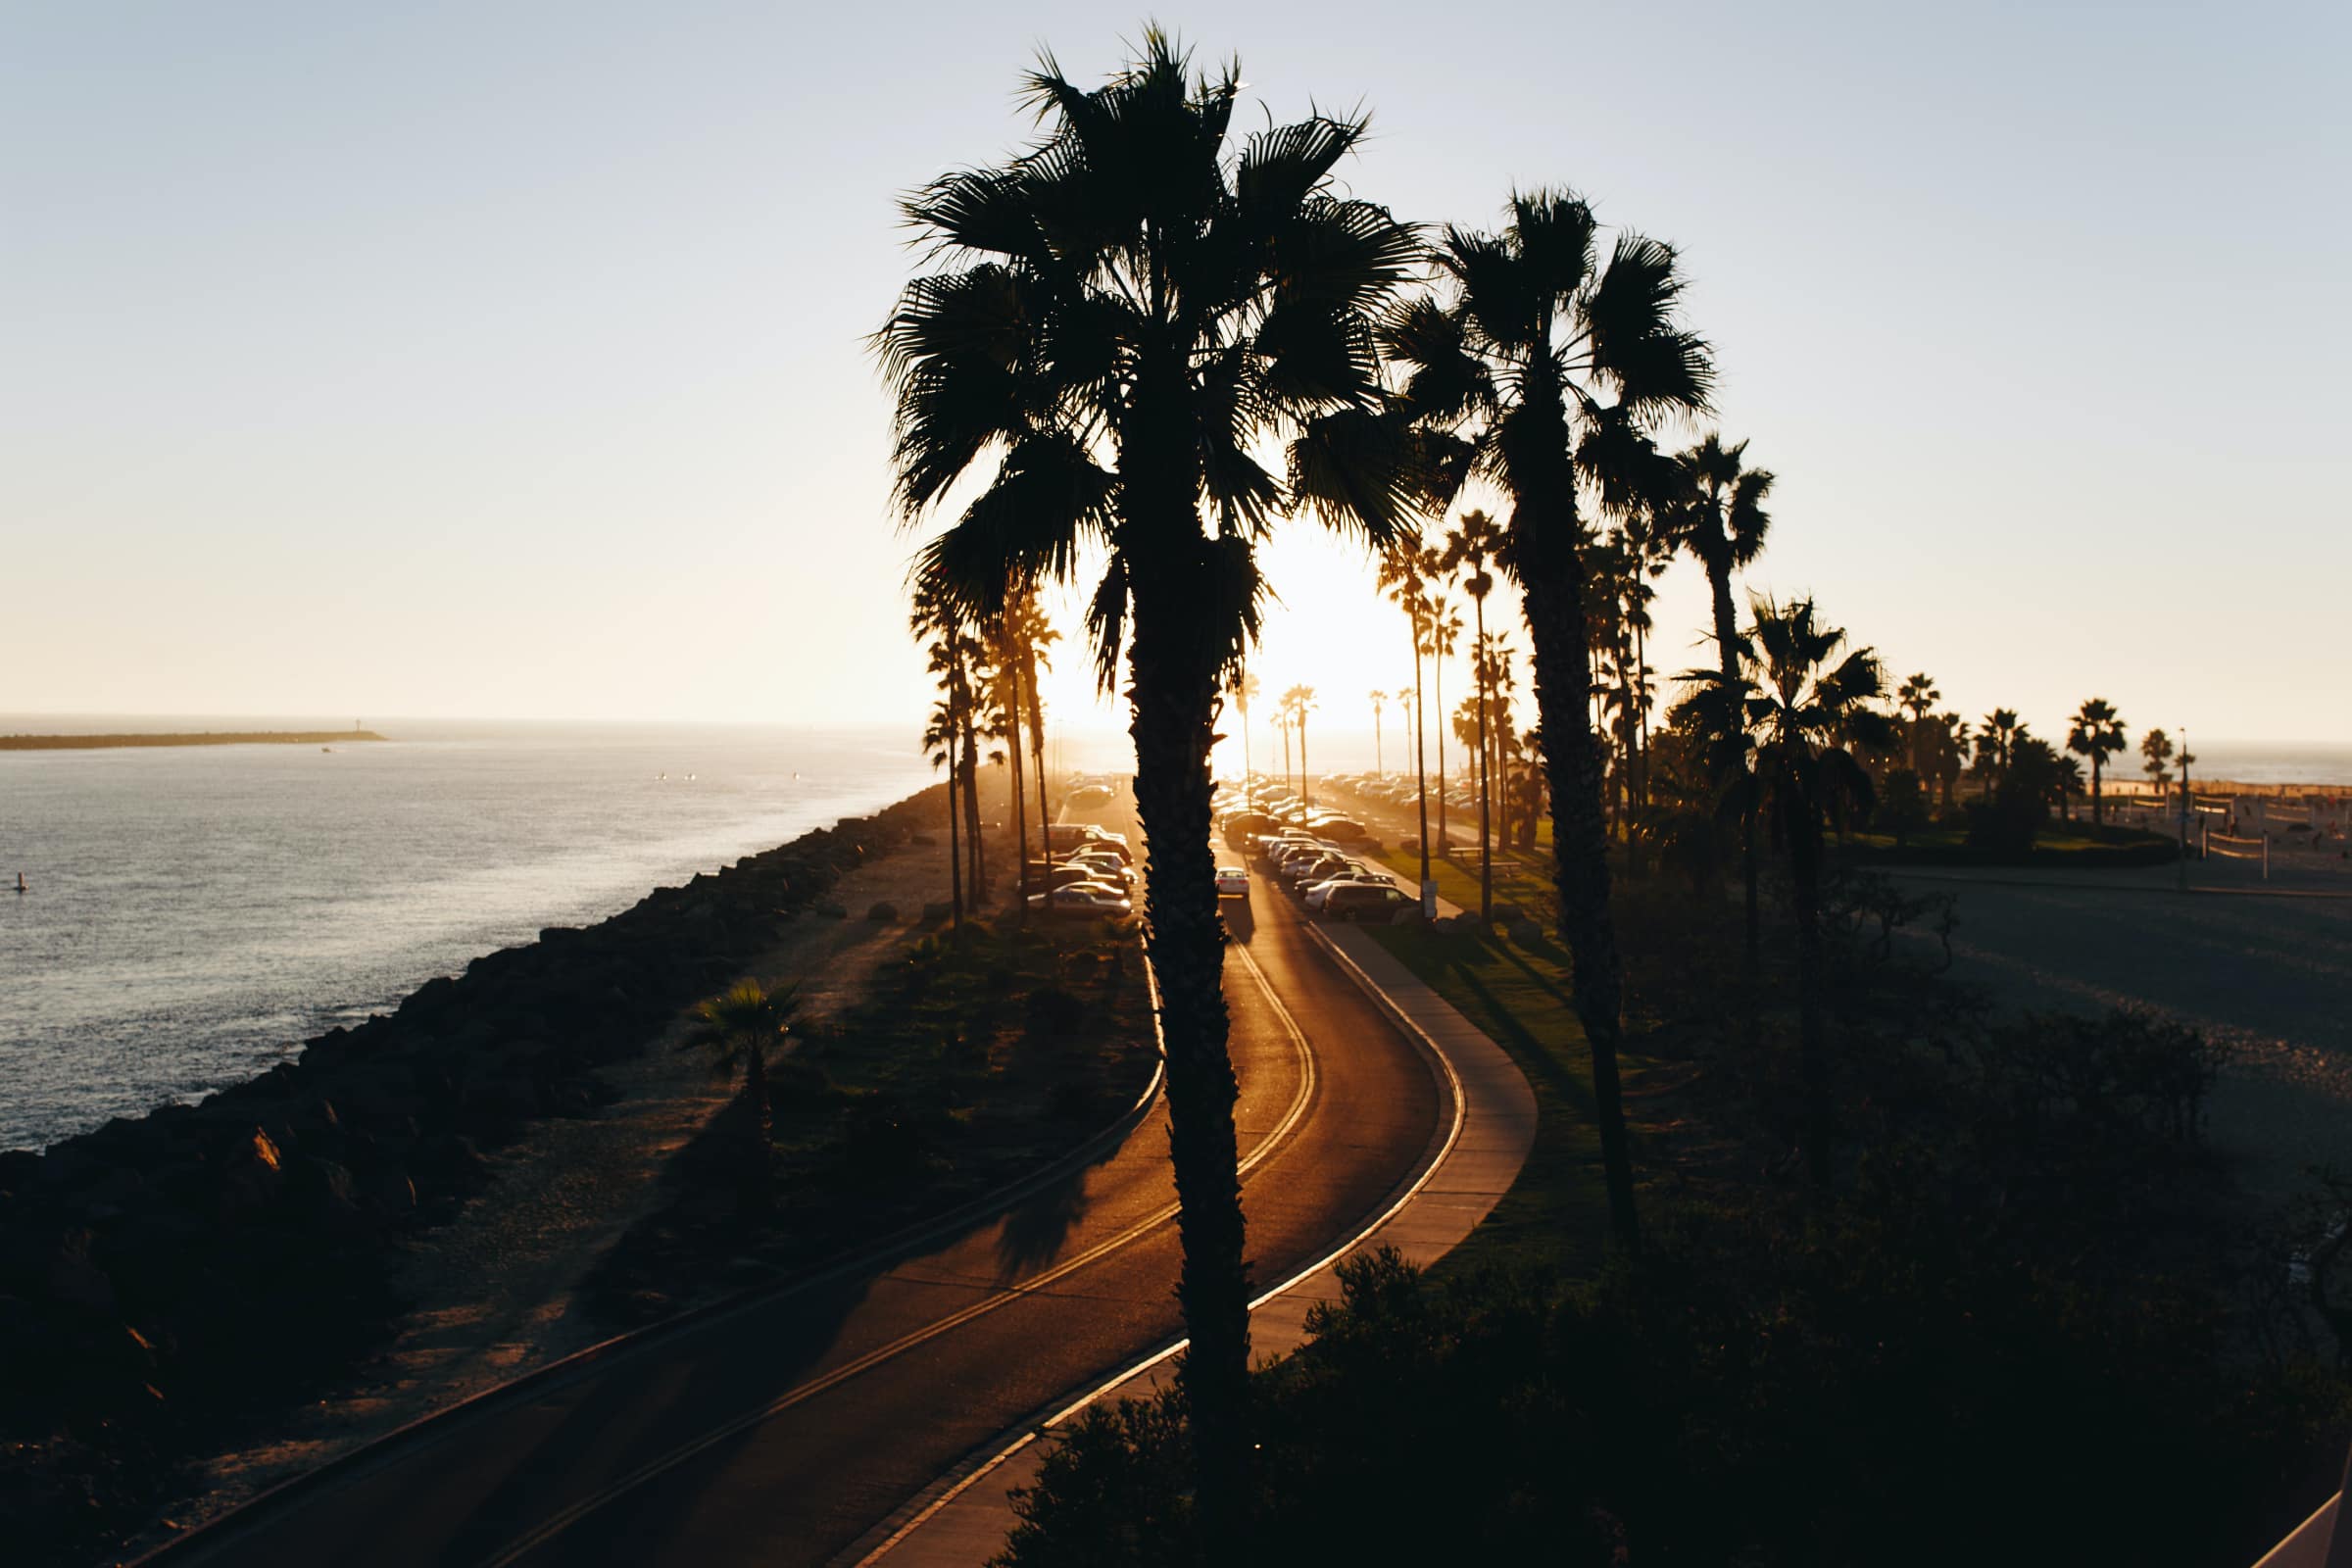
(254, 737)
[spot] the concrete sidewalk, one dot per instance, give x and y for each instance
(1484, 1133)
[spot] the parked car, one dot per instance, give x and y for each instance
(1318, 892)
(1105, 867)
(1233, 881)
(1097, 901)
(1365, 901)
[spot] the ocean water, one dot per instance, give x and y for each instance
(196, 912)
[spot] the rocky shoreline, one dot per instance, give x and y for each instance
(170, 1280)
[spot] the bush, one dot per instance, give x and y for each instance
(1054, 1013)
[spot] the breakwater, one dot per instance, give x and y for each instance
(257, 737)
(173, 1279)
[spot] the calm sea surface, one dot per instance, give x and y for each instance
(196, 912)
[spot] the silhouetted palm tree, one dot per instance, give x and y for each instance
(1470, 544)
(1400, 578)
(1996, 741)
(1532, 344)
(1131, 310)
(1724, 523)
(1380, 732)
(2098, 733)
(1297, 703)
(1441, 635)
(737, 1029)
(1244, 686)
(939, 742)
(1805, 717)
(1034, 635)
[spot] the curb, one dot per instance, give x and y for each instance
(225, 1527)
(921, 1509)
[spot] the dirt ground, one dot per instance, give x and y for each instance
(495, 1291)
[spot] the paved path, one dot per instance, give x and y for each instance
(1480, 1142)
(781, 1432)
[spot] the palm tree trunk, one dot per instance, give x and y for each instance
(1307, 787)
(1551, 577)
(1437, 680)
(1486, 845)
(1020, 797)
(1037, 751)
(1726, 645)
(2097, 816)
(1175, 667)
(1429, 883)
(954, 846)
(759, 1184)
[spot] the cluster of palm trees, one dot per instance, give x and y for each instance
(1123, 321)
(2002, 749)
(985, 650)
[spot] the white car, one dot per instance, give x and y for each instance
(1233, 881)
(1104, 869)
(1097, 901)
(1320, 893)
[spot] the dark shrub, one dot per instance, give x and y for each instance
(1054, 1013)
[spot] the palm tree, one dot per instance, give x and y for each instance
(1033, 637)
(1127, 313)
(1518, 360)
(737, 1029)
(1996, 741)
(1380, 764)
(939, 742)
(1493, 670)
(1724, 523)
(1003, 683)
(2098, 734)
(1400, 578)
(1470, 544)
(1297, 703)
(1441, 635)
(1806, 719)
(1918, 696)
(1245, 687)
(2156, 757)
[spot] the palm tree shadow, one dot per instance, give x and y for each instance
(1035, 1229)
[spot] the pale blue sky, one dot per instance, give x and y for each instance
(504, 358)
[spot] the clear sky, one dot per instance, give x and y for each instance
(505, 359)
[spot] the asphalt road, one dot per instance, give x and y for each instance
(781, 1433)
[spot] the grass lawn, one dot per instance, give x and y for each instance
(1555, 1217)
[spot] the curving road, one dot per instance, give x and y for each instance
(781, 1432)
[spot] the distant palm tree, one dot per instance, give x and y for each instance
(1723, 525)
(1033, 637)
(1403, 696)
(1245, 687)
(1918, 696)
(1996, 741)
(1402, 580)
(1127, 315)
(939, 742)
(1470, 544)
(1297, 703)
(1808, 712)
(2156, 756)
(1548, 363)
(1441, 634)
(2098, 733)
(1380, 765)
(737, 1030)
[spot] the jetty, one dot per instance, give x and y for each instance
(256, 737)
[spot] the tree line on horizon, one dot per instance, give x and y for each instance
(1121, 320)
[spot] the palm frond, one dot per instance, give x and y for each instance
(1634, 341)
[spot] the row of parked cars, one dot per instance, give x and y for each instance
(1391, 789)
(1329, 879)
(1087, 873)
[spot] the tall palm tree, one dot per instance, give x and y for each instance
(1724, 525)
(2098, 733)
(1471, 545)
(1244, 685)
(1003, 682)
(1441, 635)
(939, 742)
(1034, 637)
(1380, 732)
(1997, 740)
(1807, 713)
(1297, 703)
(1402, 580)
(1532, 344)
(1125, 316)
(737, 1029)
(1918, 696)
(1493, 670)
